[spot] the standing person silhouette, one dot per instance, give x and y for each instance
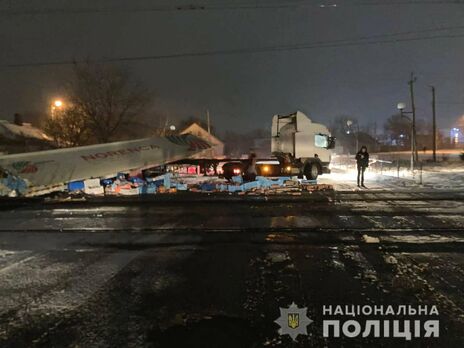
(362, 161)
(250, 169)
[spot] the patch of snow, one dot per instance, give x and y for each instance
(370, 240)
(277, 257)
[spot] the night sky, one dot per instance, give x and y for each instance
(243, 90)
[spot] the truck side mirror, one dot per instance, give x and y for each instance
(330, 142)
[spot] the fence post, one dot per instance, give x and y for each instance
(420, 177)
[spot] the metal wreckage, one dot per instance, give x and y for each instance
(300, 147)
(45, 171)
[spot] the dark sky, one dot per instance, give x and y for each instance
(243, 91)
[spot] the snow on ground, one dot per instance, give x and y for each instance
(442, 175)
(345, 179)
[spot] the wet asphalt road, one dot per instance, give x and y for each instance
(214, 274)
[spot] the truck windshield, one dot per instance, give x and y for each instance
(320, 140)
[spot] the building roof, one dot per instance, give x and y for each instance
(202, 133)
(13, 131)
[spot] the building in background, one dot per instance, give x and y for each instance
(262, 147)
(456, 136)
(217, 149)
(453, 137)
(18, 137)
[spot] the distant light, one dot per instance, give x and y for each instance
(455, 135)
(401, 106)
(347, 132)
(58, 103)
(349, 123)
(172, 128)
(401, 135)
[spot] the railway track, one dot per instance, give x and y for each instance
(74, 274)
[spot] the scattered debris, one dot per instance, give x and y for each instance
(135, 184)
(11, 185)
(93, 187)
(370, 275)
(390, 259)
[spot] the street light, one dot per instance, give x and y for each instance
(401, 107)
(56, 104)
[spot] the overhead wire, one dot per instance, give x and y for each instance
(315, 45)
(220, 6)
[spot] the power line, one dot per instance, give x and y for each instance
(172, 8)
(213, 7)
(413, 2)
(403, 33)
(314, 45)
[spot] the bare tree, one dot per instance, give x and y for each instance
(107, 97)
(68, 127)
(397, 126)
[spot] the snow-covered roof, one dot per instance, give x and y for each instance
(13, 131)
(197, 130)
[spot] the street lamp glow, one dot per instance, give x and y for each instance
(56, 105)
(401, 106)
(172, 128)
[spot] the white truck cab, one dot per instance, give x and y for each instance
(301, 146)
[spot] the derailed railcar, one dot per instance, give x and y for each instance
(44, 169)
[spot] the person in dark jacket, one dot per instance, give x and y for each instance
(250, 169)
(362, 161)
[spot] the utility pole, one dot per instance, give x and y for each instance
(207, 121)
(434, 125)
(210, 151)
(164, 131)
(413, 107)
